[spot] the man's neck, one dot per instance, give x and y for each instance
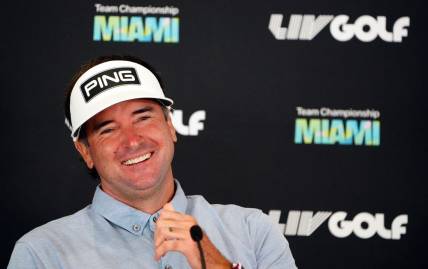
(147, 201)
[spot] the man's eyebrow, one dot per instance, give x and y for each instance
(143, 110)
(101, 125)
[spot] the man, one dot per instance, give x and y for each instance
(140, 218)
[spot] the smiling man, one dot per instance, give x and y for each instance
(131, 144)
(140, 217)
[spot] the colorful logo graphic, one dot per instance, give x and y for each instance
(337, 127)
(158, 24)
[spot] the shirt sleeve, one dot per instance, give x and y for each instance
(24, 258)
(270, 245)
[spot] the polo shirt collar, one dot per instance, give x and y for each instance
(129, 218)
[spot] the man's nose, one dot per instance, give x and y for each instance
(131, 138)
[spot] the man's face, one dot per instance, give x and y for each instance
(131, 145)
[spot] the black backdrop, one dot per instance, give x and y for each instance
(228, 64)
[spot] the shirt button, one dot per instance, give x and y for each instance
(136, 227)
(168, 266)
(155, 219)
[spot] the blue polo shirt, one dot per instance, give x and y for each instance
(110, 234)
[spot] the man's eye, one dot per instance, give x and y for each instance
(106, 131)
(142, 118)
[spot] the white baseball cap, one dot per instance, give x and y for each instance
(107, 84)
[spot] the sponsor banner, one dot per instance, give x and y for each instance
(363, 225)
(127, 23)
(331, 126)
(365, 28)
(195, 122)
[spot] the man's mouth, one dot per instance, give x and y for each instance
(138, 159)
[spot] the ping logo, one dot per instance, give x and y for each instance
(107, 80)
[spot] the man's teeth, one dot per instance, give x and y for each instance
(138, 159)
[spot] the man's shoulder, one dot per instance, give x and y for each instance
(247, 231)
(58, 227)
(229, 212)
(223, 208)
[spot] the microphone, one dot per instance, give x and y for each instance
(197, 234)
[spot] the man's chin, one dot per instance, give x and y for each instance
(143, 182)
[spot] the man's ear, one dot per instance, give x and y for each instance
(171, 128)
(83, 149)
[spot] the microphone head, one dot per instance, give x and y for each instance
(196, 233)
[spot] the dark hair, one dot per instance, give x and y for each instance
(85, 67)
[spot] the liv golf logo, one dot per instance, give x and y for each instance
(363, 225)
(125, 23)
(327, 126)
(365, 28)
(195, 122)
